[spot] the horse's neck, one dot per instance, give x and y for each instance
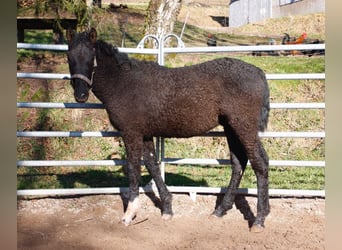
(106, 65)
(106, 72)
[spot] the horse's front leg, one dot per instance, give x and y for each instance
(134, 148)
(154, 170)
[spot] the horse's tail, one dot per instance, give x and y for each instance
(265, 108)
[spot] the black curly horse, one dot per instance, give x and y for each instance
(144, 100)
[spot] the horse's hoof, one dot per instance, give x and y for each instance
(217, 214)
(256, 228)
(214, 216)
(126, 222)
(167, 216)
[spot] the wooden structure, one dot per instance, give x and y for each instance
(43, 23)
(242, 12)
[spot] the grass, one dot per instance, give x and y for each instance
(279, 178)
(109, 148)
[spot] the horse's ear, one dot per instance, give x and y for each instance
(93, 35)
(70, 34)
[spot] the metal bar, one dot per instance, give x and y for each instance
(317, 76)
(52, 163)
(248, 191)
(174, 161)
(292, 134)
(247, 48)
(173, 189)
(139, 51)
(196, 161)
(273, 134)
(288, 163)
(313, 105)
(56, 47)
(56, 105)
(68, 134)
(53, 76)
(64, 47)
(116, 134)
(187, 50)
(202, 161)
(56, 76)
(60, 105)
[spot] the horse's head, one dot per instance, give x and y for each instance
(81, 60)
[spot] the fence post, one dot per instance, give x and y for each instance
(160, 146)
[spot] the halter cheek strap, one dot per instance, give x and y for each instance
(83, 77)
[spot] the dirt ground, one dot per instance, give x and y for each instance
(93, 222)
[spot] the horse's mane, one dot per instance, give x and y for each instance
(110, 50)
(101, 46)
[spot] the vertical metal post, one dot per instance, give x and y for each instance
(162, 157)
(161, 55)
(161, 61)
(160, 142)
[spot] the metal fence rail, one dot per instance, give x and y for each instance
(248, 48)
(161, 53)
(177, 161)
(173, 189)
(61, 105)
(53, 76)
(116, 134)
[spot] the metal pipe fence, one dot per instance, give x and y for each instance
(160, 141)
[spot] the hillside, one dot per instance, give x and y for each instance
(124, 27)
(213, 15)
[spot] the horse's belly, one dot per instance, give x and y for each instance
(187, 126)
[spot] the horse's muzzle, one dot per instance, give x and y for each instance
(81, 97)
(81, 90)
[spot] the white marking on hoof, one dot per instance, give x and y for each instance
(167, 216)
(126, 221)
(213, 216)
(193, 196)
(257, 229)
(131, 212)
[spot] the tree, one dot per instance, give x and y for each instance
(161, 16)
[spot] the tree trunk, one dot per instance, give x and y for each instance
(161, 16)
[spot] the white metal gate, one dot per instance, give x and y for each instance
(160, 141)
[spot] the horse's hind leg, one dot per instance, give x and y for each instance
(154, 170)
(239, 161)
(259, 161)
(243, 148)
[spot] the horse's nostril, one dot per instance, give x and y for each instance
(81, 97)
